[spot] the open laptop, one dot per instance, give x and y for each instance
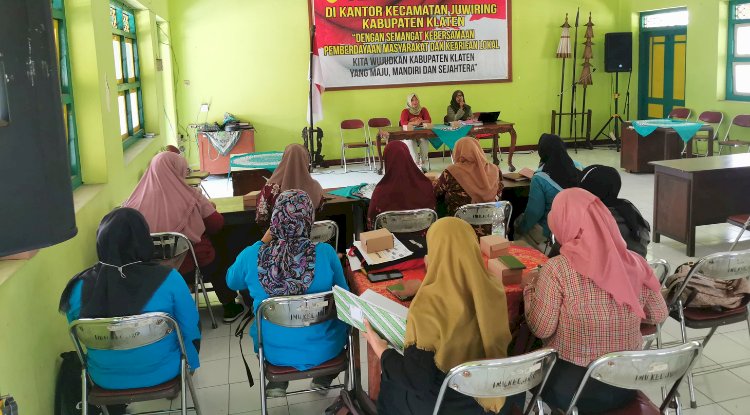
(489, 116)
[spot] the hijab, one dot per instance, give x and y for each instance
(413, 110)
(286, 265)
(403, 186)
(293, 173)
(605, 183)
(556, 162)
(167, 203)
(454, 103)
(123, 280)
(594, 247)
(479, 178)
(460, 313)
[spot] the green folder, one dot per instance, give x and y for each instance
(512, 262)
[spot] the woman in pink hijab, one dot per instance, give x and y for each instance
(170, 205)
(590, 300)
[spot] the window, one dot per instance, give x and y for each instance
(66, 89)
(659, 19)
(127, 72)
(738, 53)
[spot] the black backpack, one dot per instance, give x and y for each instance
(68, 388)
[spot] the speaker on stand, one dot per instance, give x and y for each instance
(618, 57)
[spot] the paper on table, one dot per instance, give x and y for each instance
(387, 317)
(398, 251)
(354, 263)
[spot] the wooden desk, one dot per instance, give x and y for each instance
(358, 283)
(698, 191)
(663, 144)
(495, 129)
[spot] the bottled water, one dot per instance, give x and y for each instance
(498, 220)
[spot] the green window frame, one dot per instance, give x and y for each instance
(127, 73)
(738, 55)
(66, 89)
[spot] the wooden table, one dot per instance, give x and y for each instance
(663, 144)
(494, 129)
(358, 283)
(698, 191)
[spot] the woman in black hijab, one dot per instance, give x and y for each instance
(125, 282)
(555, 161)
(605, 183)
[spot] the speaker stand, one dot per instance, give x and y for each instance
(616, 118)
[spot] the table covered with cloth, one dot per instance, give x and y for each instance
(359, 283)
(268, 160)
(685, 129)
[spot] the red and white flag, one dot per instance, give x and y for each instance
(317, 88)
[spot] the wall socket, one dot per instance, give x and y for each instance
(204, 107)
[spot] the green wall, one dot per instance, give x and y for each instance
(706, 53)
(33, 332)
(250, 58)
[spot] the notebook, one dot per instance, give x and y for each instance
(489, 116)
(387, 317)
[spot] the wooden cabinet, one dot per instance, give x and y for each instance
(213, 162)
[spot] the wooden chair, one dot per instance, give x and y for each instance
(364, 142)
(742, 121)
(715, 118)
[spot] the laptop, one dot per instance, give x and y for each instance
(489, 116)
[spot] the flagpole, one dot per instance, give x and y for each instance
(310, 131)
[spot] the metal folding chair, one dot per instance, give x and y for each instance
(715, 118)
(326, 231)
(406, 221)
(742, 121)
(680, 113)
(363, 142)
(377, 124)
(128, 333)
(484, 214)
(297, 312)
(650, 332)
(494, 378)
(171, 249)
(720, 266)
(640, 370)
(742, 221)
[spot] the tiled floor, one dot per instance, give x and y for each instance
(723, 388)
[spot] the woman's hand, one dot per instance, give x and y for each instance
(266, 239)
(378, 345)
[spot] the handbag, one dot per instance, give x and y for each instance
(705, 292)
(345, 404)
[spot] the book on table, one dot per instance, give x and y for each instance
(387, 317)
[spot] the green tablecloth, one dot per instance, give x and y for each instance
(448, 136)
(268, 160)
(685, 129)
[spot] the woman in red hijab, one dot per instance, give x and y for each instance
(403, 187)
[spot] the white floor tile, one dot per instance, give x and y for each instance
(247, 346)
(721, 386)
(157, 405)
(741, 337)
(242, 398)
(737, 406)
(743, 372)
(213, 400)
(237, 372)
(309, 397)
(310, 408)
(713, 409)
(214, 349)
(212, 373)
(722, 349)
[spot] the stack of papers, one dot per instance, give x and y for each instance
(399, 251)
(387, 317)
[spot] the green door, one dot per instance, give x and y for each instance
(662, 71)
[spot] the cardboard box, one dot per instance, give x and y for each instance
(251, 199)
(504, 274)
(493, 246)
(376, 241)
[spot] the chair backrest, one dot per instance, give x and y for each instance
(642, 369)
(719, 266)
(246, 181)
(295, 311)
(405, 221)
(171, 248)
(326, 231)
(495, 378)
(379, 122)
(680, 113)
(352, 124)
(490, 213)
(742, 121)
(122, 333)
(661, 269)
(711, 117)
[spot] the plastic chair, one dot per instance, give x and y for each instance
(376, 123)
(715, 118)
(170, 249)
(481, 214)
(680, 113)
(406, 221)
(128, 333)
(718, 266)
(352, 125)
(742, 221)
(650, 332)
(297, 312)
(742, 121)
(640, 370)
(494, 378)
(326, 231)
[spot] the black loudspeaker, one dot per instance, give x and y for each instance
(37, 198)
(618, 52)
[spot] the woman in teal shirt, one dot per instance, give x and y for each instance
(124, 282)
(287, 262)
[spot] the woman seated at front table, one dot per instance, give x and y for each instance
(590, 300)
(170, 205)
(459, 314)
(470, 179)
(605, 183)
(458, 109)
(557, 171)
(403, 187)
(287, 262)
(124, 283)
(415, 115)
(292, 173)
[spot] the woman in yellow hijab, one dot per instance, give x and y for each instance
(459, 314)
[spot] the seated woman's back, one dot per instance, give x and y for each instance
(125, 283)
(291, 264)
